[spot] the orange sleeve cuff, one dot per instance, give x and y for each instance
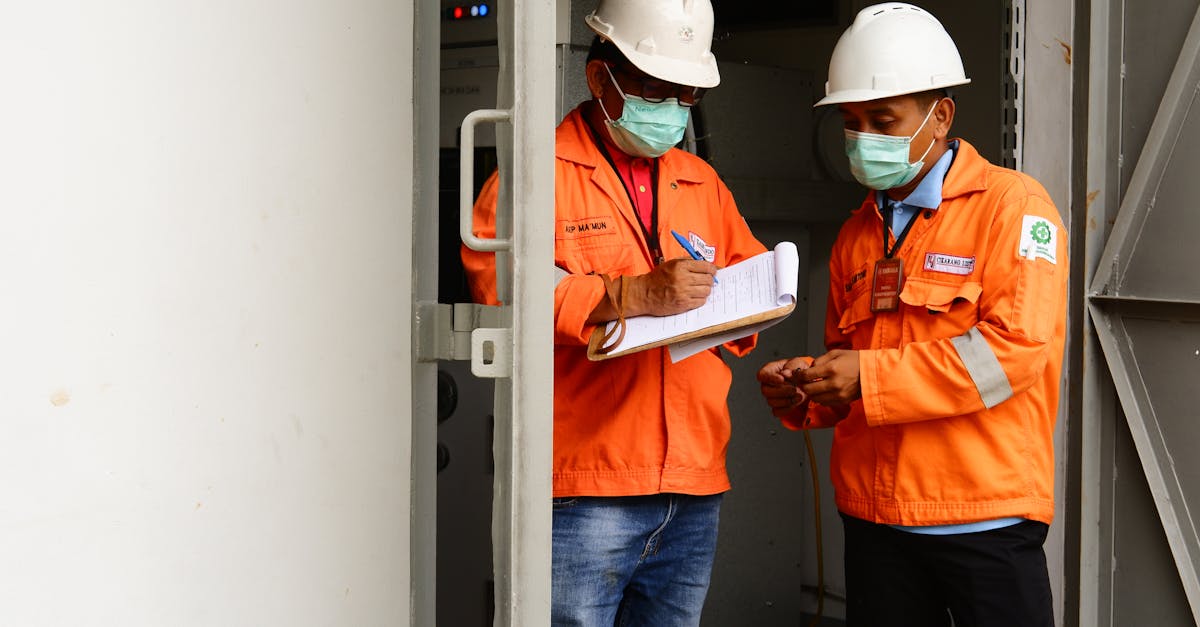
(574, 299)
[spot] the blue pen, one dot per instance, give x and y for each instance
(687, 246)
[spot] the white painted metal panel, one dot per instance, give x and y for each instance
(206, 300)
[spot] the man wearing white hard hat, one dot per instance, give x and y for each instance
(639, 440)
(945, 329)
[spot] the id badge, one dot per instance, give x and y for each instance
(885, 287)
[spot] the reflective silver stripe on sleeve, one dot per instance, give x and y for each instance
(559, 275)
(983, 367)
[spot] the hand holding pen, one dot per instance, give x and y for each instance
(691, 251)
(674, 286)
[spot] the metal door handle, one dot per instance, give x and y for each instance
(466, 181)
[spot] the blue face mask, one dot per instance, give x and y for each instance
(880, 162)
(646, 129)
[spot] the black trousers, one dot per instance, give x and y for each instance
(992, 578)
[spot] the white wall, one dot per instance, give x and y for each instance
(204, 219)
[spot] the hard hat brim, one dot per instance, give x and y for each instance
(867, 95)
(680, 72)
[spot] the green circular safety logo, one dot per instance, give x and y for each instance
(1040, 232)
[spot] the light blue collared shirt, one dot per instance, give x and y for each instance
(928, 195)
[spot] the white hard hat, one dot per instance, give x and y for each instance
(667, 39)
(892, 49)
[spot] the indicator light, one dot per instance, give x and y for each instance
(468, 11)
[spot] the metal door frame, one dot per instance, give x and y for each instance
(423, 487)
(521, 356)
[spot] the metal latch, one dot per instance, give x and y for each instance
(463, 331)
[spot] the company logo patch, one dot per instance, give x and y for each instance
(949, 264)
(687, 34)
(708, 252)
(584, 227)
(1039, 239)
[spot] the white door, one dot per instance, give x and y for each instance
(205, 345)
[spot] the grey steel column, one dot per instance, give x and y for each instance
(1041, 67)
(1098, 419)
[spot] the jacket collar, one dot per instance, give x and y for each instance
(968, 173)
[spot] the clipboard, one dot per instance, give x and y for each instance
(750, 296)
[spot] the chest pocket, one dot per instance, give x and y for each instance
(594, 245)
(858, 302)
(935, 309)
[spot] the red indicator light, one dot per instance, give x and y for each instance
(458, 13)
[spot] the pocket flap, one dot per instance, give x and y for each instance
(858, 311)
(936, 296)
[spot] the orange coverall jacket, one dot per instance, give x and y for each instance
(960, 386)
(636, 424)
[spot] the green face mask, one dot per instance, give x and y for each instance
(646, 129)
(880, 162)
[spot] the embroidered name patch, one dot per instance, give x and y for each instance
(708, 252)
(855, 278)
(1039, 238)
(950, 264)
(584, 227)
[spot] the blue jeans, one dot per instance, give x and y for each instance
(636, 560)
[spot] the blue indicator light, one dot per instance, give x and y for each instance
(483, 10)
